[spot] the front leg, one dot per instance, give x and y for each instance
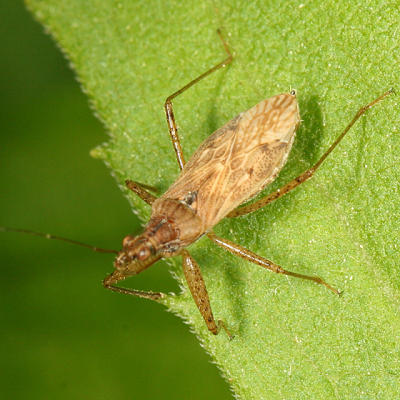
(199, 292)
(111, 279)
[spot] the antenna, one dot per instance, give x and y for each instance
(54, 237)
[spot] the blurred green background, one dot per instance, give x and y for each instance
(62, 335)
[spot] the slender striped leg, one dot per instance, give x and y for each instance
(117, 276)
(173, 130)
(140, 190)
(133, 292)
(307, 174)
(248, 255)
(199, 292)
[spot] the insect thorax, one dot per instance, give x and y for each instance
(182, 218)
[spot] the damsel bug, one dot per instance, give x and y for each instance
(230, 167)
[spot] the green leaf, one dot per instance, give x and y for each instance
(294, 339)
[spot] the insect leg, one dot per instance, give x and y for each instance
(139, 189)
(108, 284)
(139, 293)
(173, 130)
(307, 174)
(198, 289)
(248, 255)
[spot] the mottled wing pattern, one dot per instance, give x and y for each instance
(239, 159)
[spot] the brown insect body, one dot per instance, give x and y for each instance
(230, 167)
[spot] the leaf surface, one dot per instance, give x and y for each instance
(294, 339)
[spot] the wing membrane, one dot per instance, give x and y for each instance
(239, 159)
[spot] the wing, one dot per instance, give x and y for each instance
(238, 160)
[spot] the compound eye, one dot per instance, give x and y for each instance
(143, 253)
(127, 240)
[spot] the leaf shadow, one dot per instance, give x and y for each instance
(309, 135)
(212, 122)
(237, 284)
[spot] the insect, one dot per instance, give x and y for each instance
(229, 168)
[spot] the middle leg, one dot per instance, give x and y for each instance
(199, 292)
(248, 255)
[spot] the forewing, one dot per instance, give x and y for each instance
(239, 159)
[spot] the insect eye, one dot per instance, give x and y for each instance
(143, 253)
(127, 240)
